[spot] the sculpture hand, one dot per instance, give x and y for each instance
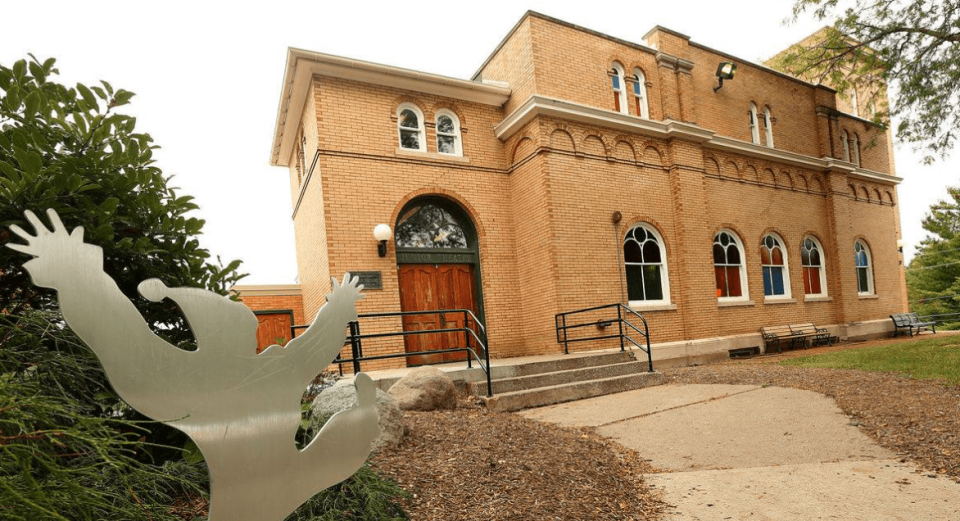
(59, 255)
(346, 294)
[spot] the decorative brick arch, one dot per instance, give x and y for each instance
(876, 193)
(562, 139)
(446, 194)
(865, 193)
(525, 140)
(890, 197)
(730, 164)
(452, 107)
(427, 115)
(733, 228)
(776, 231)
(801, 182)
(817, 182)
(789, 183)
(589, 137)
(644, 219)
(750, 172)
(711, 166)
(647, 158)
(623, 146)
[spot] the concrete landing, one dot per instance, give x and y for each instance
(747, 452)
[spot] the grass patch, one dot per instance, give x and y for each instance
(928, 359)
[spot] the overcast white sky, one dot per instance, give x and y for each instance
(207, 77)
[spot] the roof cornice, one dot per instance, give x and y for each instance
(543, 106)
(302, 66)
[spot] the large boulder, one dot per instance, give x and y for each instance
(343, 395)
(425, 389)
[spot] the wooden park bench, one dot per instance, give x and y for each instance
(910, 323)
(798, 334)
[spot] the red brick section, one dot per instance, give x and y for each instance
(542, 200)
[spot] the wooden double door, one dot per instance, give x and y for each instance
(426, 287)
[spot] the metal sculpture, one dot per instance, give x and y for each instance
(242, 409)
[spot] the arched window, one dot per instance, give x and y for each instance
(768, 126)
(845, 139)
(856, 149)
(645, 263)
(854, 103)
(864, 273)
(814, 273)
(754, 125)
(619, 93)
(773, 261)
(410, 127)
(429, 225)
(448, 133)
(640, 93)
(728, 267)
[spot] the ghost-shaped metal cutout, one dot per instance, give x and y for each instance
(242, 409)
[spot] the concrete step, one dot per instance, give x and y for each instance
(522, 383)
(561, 364)
(517, 400)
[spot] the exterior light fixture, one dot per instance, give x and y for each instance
(900, 246)
(725, 71)
(382, 233)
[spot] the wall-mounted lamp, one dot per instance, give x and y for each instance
(725, 71)
(899, 246)
(382, 233)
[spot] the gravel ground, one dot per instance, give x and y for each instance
(918, 420)
(473, 465)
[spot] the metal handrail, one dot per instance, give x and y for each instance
(562, 327)
(355, 338)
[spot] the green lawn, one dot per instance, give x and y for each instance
(931, 358)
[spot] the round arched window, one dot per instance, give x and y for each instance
(428, 225)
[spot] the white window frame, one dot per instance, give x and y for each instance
(769, 126)
(457, 135)
(854, 102)
(823, 267)
(754, 124)
(640, 93)
(420, 128)
(871, 290)
(744, 287)
(622, 91)
(664, 275)
(787, 289)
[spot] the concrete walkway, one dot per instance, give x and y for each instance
(746, 452)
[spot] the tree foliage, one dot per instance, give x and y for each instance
(912, 45)
(933, 276)
(69, 149)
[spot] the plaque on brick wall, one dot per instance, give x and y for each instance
(369, 279)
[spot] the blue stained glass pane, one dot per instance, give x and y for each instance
(777, 274)
(616, 81)
(767, 282)
(636, 87)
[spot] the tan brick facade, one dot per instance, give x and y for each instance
(546, 164)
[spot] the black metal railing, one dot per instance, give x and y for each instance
(478, 335)
(602, 318)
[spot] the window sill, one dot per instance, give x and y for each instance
(653, 307)
(779, 301)
(734, 303)
(818, 299)
(868, 297)
(431, 155)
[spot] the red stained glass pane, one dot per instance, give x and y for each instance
(764, 255)
(815, 281)
(806, 281)
(721, 281)
(616, 101)
(733, 282)
(777, 257)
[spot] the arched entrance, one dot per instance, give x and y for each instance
(438, 266)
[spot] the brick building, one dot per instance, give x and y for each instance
(576, 169)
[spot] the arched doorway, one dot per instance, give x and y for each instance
(438, 267)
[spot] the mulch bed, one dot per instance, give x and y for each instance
(473, 465)
(917, 420)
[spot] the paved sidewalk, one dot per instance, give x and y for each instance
(747, 452)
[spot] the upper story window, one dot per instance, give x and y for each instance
(448, 133)
(645, 263)
(754, 125)
(845, 139)
(864, 273)
(814, 275)
(773, 260)
(619, 93)
(640, 93)
(768, 126)
(410, 127)
(854, 103)
(728, 267)
(855, 145)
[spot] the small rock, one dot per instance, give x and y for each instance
(425, 389)
(343, 395)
